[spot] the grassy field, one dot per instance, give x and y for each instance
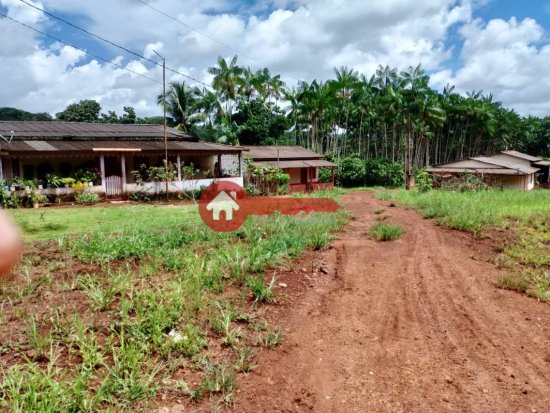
(48, 223)
(526, 254)
(141, 304)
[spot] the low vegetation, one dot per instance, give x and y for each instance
(525, 255)
(147, 305)
(385, 232)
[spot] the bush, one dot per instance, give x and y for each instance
(325, 174)
(383, 172)
(424, 181)
(464, 183)
(351, 171)
(87, 198)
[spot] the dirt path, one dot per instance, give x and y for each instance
(413, 325)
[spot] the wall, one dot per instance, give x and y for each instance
(181, 186)
(295, 175)
(511, 182)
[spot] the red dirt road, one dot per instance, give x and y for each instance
(412, 325)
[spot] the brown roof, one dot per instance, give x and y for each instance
(82, 131)
(24, 146)
(315, 163)
(272, 153)
(520, 155)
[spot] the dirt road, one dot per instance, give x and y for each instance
(412, 325)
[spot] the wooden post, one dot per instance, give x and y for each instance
(102, 168)
(179, 166)
(123, 172)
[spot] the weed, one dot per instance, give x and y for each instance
(270, 338)
(220, 378)
(261, 291)
(385, 232)
(244, 361)
(514, 283)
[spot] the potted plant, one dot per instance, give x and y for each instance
(37, 198)
(67, 182)
(53, 181)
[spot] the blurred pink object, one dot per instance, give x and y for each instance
(10, 245)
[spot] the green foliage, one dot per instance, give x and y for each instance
(7, 113)
(261, 124)
(385, 232)
(84, 111)
(87, 198)
(351, 171)
(424, 181)
(265, 179)
(383, 172)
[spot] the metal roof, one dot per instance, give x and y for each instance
(81, 131)
(542, 163)
(499, 162)
(54, 146)
(274, 152)
(485, 171)
(315, 163)
(520, 155)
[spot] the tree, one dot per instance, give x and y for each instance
(180, 104)
(227, 79)
(84, 111)
(7, 113)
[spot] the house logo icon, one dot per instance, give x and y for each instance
(223, 202)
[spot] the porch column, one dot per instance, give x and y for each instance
(123, 171)
(178, 159)
(102, 168)
(240, 166)
(1, 168)
(219, 166)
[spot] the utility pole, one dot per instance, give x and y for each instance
(164, 114)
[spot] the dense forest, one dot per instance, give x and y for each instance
(392, 115)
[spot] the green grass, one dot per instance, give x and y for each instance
(50, 223)
(131, 300)
(385, 232)
(473, 211)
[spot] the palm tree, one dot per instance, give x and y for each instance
(180, 101)
(227, 79)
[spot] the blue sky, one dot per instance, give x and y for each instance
(499, 46)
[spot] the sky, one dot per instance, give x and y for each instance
(497, 46)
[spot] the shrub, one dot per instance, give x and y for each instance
(385, 232)
(351, 171)
(383, 172)
(424, 181)
(87, 198)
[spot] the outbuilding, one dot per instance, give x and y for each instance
(506, 170)
(301, 164)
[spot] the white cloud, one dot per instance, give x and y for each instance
(301, 39)
(506, 59)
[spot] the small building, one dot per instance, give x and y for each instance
(506, 170)
(34, 150)
(301, 164)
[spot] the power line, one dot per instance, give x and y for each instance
(205, 35)
(111, 42)
(78, 48)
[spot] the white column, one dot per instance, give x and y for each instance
(123, 172)
(179, 167)
(102, 168)
(1, 169)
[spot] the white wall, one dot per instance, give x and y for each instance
(181, 186)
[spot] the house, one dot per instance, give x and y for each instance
(39, 149)
(506, 170)
(301, 164)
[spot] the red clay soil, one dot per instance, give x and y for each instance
(411, 325)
